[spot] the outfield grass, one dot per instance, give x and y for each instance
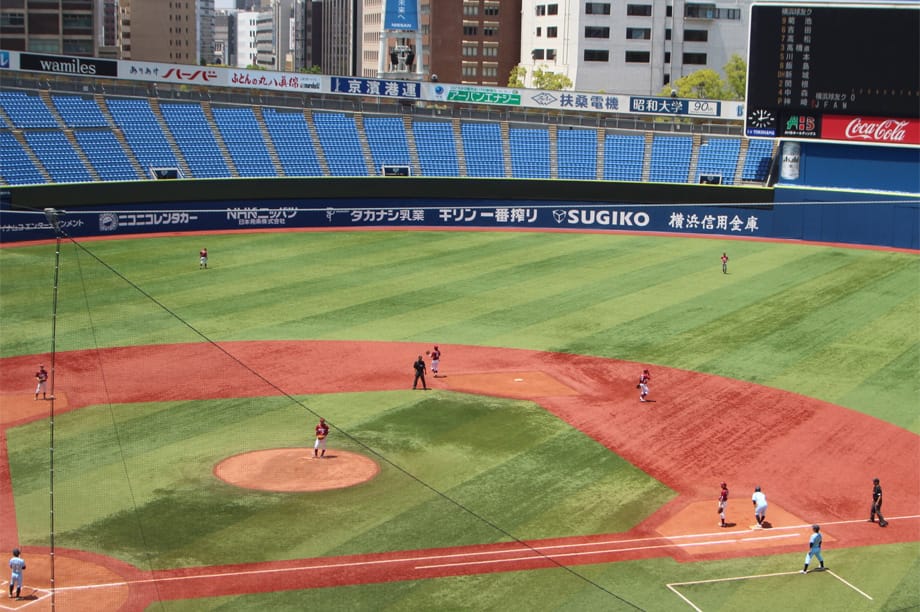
(837, 324)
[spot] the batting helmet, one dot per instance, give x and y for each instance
(816, 528)
(15, 552)
(757, 488)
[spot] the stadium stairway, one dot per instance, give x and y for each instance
(45, 95)
(647, 157)
(269, 143)
(167, 133)
(506, 147)
(553, 151)
(413, 152)
(119, 136)
(219, 139)
(458, 138)
(365, 145)
(601, 153)
(694, 157)
(317, 146)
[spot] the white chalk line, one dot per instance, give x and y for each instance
(673, 585)
(726, 537)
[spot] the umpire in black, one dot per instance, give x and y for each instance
(877, 504)
(420, 368)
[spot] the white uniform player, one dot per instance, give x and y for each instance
(760, 507)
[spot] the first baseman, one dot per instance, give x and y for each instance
(814, 548)
(319, 447)
(760, 507)
(17, 565)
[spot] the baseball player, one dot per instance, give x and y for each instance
(877, 504)
(643, 385)
(202, 258)
(814, 548)
(760, 507)
(724, 263)
(42, 377)
(319, 447)
(435, 360)
(17, 565)
(723, 501)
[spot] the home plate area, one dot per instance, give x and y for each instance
(695, 529)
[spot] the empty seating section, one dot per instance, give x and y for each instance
(670, 159)
(437, 152)
(41, 124)
(624, 157)
(386, 137)
(142, 133)
(106, 155)
(58, 156)
(576, 153)
(291, 136)
(16, 166)
(192, 132)
(26, 110)
(338, 136)
(79, 112)
(719, 156)
(240, 130)
(757, 162)
(482, 148)
(530, 152)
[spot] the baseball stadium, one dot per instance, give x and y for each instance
(205, 271)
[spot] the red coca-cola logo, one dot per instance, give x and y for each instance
(884, 130)
(896, 131)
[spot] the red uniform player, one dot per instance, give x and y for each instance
(319, 447)
(643, 385)
(723, 501)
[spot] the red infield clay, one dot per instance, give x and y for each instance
(296, 469)
(814, 460)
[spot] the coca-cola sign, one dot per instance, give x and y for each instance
(871, 130)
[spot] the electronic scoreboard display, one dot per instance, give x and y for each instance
(848, 73)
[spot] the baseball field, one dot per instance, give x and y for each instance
(529, 476)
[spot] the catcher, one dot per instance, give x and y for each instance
(319, 447)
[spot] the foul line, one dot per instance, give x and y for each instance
(586, 549)
(849, 585)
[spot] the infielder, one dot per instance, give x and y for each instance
(814, 548)
(435, 360)
(760, 507)
(319, 447)
(17, 565)
(42, 377)
(643, 385)
(723, 502)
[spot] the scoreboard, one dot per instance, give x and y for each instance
(837, 72)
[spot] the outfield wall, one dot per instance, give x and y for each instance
(112, 209)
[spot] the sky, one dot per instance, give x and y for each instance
(223, 4)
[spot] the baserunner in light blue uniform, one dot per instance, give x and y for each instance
(814, 548)
(17, 564)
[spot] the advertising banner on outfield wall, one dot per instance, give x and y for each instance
(883, 223)
(344, 214)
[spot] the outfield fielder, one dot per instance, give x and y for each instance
(760, 507)
(319, 447)
(814, 548)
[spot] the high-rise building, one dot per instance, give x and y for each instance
(243, 39)
(341, 36)
(44, 26)
(178, 31)
(631, 46)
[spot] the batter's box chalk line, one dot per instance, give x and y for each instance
(30, 597)
(673, 585)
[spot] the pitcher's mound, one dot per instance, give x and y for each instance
(295, 469)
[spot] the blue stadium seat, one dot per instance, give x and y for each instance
(437, 151)
(757, 162)
(240, 131)
(16, 166)
(106, 155)
(624, 157)
(719, 156)
(530, 152)
(79, 112)
(26, 110)
(338, 136)
(576, 153)
(670, 159)
(192, 132)
(139, 126)
(482, 148)
(291, 136)
(58, 157)
(386, 137)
